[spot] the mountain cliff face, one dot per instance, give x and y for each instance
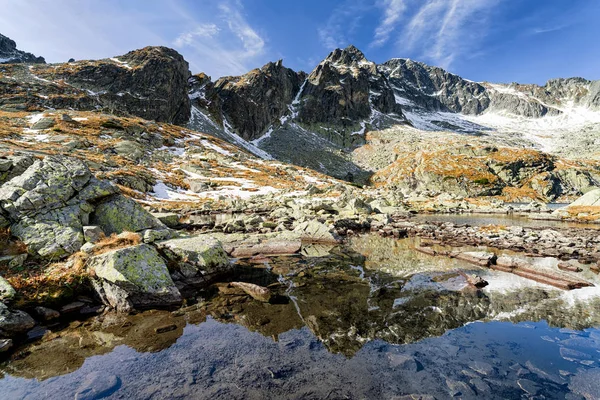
(9, 54)
(344, 90)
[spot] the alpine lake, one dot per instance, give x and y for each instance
(370, 319)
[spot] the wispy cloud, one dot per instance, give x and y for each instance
(229, 45)
(342, 22)
(443, 30)
(548, 29)
(393, 11)
(202, 31)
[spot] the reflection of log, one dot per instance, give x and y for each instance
(474, 280)
(526, 270)
(426, 250)
(511, 265)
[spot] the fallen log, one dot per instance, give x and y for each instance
(566, 266)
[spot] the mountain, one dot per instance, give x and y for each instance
(356, 120)
(9, 54)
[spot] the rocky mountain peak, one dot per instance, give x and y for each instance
(9, 54)
(348, 56)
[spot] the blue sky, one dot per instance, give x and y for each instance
(526, 41)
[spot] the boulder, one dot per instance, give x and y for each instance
(133, 277)
(590, 199)
(5, 345)
(196, 255)
(117, 213)
(316, 232)
(46, 314)
(169, 219)
(44, 123)
(14, 322)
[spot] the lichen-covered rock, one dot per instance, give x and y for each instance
(118, 213)
(197, 256)
(169, 219)
(49, 202)
(92, 233)
(7, 292)
(133, 277)
(13, 322)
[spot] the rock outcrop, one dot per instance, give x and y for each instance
(150, 83)
(9, 54)
(50, 202)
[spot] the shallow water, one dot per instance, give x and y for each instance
(372, 320)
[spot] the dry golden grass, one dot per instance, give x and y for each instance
(45, 283)
(114, 242)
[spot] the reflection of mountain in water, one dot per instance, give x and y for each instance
(375, 289)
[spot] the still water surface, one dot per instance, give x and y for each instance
(371, 320)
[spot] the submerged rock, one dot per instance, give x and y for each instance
(257, 292)
(133, 277)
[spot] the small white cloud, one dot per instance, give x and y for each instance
(202, 31)
(252, 42)
(538, 31)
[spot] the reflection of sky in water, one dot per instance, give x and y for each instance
(341, 337)
(216, 360)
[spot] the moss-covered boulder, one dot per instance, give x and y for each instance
(133, 278)
(117, 214)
